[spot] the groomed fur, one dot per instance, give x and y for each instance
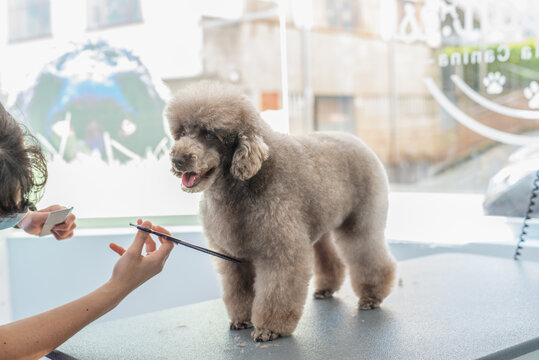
(284, 205)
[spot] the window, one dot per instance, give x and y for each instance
(334, 113)
(342, 14)
(270, 101)
(434, 87)
(28, 19)
(104, 13)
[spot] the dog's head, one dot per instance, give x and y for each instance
(216, 131)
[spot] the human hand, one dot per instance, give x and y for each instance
(133, 269)
(33, 222)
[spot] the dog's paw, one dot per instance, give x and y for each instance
(368, 303)
(239, 325)
(323, 294)
(260, 335)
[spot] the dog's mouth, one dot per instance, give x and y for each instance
(192, 179)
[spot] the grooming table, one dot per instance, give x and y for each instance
(446, 306)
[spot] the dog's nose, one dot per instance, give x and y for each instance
(179, 162)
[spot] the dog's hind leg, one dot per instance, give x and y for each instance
(238, 292)
(328, 268)
(361, 241)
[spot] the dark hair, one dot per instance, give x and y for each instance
(23, 167)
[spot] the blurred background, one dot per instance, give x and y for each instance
(444, 91)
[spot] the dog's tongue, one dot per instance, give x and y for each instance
(189, 179)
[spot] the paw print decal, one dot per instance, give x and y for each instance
(531, 93)
(494, 82)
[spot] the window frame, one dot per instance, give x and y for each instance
(17, 10)
(95, 26)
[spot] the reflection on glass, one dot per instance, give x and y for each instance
(28, 19)
(442, 90)
(334, 113)
(103, 13)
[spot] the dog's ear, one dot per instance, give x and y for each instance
(250, 153)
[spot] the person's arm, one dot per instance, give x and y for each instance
(33, 222)
(36, 336)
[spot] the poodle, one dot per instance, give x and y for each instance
(284, 205)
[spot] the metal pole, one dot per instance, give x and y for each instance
(284, 59)
(306, 77)
(392, 103)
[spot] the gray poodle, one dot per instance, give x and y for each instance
(280, 204)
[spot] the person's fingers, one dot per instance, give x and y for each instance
(64, 228)
(62, 235)
(70, 220)
(164, 250)
(150, 245)
(117, 248)
(61, 227)
(160, 229)
(52, 208)
(69, 224)
(140, 238)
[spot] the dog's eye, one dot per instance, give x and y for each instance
(210, 136)
(182, 133)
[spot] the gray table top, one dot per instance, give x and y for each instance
(448, 306)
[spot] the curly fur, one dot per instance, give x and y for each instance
(284, 205)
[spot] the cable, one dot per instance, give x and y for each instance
(525, 225)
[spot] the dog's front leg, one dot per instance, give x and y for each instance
(280, 293)
(238, 292)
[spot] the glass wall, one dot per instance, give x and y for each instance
(444, 91)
